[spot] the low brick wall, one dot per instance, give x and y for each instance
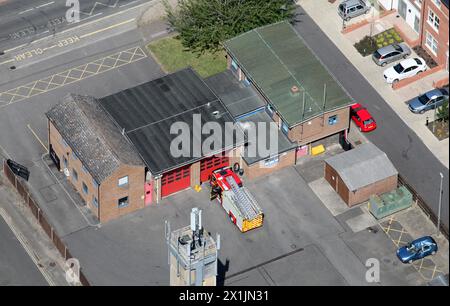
(410, 80)
(412, 43)
(357, 25)
(441, 82)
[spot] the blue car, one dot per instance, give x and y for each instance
(417, 249)
(429, 100)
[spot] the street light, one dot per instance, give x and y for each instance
(440, 204)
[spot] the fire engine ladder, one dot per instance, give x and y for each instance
(246, 204)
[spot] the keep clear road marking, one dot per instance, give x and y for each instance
(37, 137)
(72, 75)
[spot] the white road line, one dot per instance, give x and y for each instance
(46, 4)
(82, 25)
(159, 34)
(98, 14)
(26, 11)
(126, 4)
(25, 246)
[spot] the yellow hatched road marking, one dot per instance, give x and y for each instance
(87, 70)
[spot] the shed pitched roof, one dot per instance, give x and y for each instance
(275, 59)
(92, 135)
(362, 166)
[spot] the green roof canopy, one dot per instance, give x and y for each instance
(275, 58)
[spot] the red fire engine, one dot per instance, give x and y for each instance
(240, 205)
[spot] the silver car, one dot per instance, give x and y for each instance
(352, 8)
(391, 53)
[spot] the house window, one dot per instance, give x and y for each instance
(271, 162)
(84, 169)
(234, 65)
(64, 143)
(269, 110)
(123, 181)
(433, 20)
(332, 120)
(123, 202)
(246, 82)
(85, 188)
(66, 162)
(94, 201)
(431, 43)
(284, 127)
(74, 156)
(94, 183)
(75, 175)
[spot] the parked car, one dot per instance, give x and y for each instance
(417, 249)
(405, 69)
(429, 100)
(352, 8)
(390, 54)
(362, 118)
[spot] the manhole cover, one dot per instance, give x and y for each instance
(293, 246)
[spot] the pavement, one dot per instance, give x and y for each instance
(413, 158)
(28, 256)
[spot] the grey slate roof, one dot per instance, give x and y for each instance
(362, 166)
(147, 112)
(238, 98)
(92, 136)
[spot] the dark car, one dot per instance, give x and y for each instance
(417, 249)
(390, 54)
(429, 100)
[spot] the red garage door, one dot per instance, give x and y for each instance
(175, 180)
(208, 165)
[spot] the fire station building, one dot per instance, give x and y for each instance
(299, 94)
(116, 150)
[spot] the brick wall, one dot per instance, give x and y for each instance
(111, 192)
(256, 170)
(319, 128)
(440, 35)
(74, 164)
(363, 194)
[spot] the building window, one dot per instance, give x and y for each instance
(75, 175)
(64, 143)
(271, 162)
(431, 43)
(269, 110)
(85, 188)
(94, 183)
(74, 156)
(332, 120)
(284, 128)
(123, 181)
(84, 169)
(94, 201)
(234, 65)
(66, 162)
(433, 20)
(123, 202)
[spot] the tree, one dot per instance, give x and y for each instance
(442, 111)
(204, 24)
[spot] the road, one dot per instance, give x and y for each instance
(23, 21)
(16, 267)
(414, 161)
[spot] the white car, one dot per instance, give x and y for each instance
(405, 69)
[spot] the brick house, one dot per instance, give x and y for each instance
(434, 35)
(429, 19)
(116, 151)
(300, 95)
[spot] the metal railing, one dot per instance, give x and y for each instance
(423, 205)
(22, 189)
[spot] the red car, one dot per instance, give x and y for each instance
(362, 118)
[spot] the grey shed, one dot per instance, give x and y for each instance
(364, 165)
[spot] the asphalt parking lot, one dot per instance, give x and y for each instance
(300, 243)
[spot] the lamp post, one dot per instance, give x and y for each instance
(440, 204)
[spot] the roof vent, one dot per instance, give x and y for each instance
(295, 90)
(216, 114)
